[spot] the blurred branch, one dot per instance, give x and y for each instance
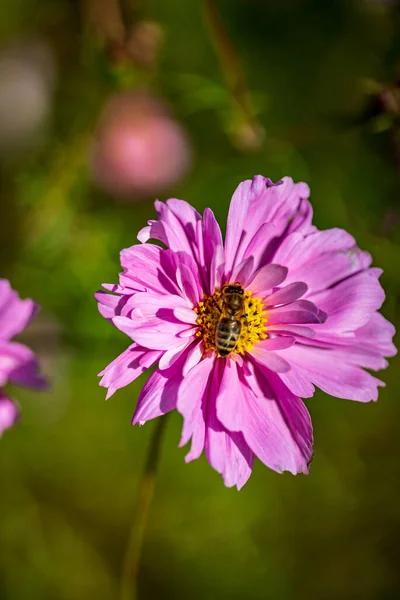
(103, 18)
(136, 43)
(145, 496)
(247, 131)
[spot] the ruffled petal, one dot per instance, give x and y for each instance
(189, 284)
(127, 367)
(271, 360)
(159, 393)
(194, 356)
(15, 314)
(230, 399)
(214, 257)
(276, 342)
(264, 237)
(266, 278)
(18, 365)
(216, 269)
(146, 268)
(152, 333)
(153, 321)
(321, 259)
(176, 227)
(287, 294)
(226, 451)
(288, 329)
(192, 404)
(299, 312)
(375, 336)
(172, 355)
(365, 347)
(110, 305)
(260, 201)
(351, 303)
(327, 369)
(276, 424)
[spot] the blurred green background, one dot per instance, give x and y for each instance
(294, 87)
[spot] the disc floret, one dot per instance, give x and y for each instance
(253, 322)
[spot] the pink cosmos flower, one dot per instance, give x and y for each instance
(17, 362)
(310, 319)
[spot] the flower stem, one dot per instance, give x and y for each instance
(247, 131)
(147, 485)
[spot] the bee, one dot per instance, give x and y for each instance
(230, 322)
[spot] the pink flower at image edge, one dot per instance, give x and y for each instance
(18, 364)
(311, 302)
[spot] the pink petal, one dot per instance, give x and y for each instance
(289, 293)
(327, 369)
(279, 342)
(376, 335)
(142, 267)
(266, 278)
(18, 365)
(214, 257)
(172, 355)
(186, 315)
(351, 303)
(109, 305)
(259, 201)
(277, 426)
(243, 272)
(297, 330)
(15, 314)
(176, 227)
(227, 452)
(271, 360)
(295, 313)
(153, 333)
(186, 214)
(9, 412)
(322, 258)
(366, 347)
(298, 383)
(216, 269)
(194, 356)
(230, 400)
(159, 393)
(259, 243)
(189, 284)
(238, 209)
(127, 367)
(150, 305)
(191, 403)
(115, 288)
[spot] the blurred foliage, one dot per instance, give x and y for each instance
(69, 471)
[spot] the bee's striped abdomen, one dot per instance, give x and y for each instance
(227, 335)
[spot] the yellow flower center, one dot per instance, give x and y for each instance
(253, 322)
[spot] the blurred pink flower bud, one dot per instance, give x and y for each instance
(139, 148)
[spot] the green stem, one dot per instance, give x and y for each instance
(147, 485)
(247, 130)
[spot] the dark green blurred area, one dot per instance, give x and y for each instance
(69, 472)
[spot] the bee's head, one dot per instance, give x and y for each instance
(233, 289)
(233, 296)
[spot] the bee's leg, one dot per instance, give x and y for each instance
(216, 305)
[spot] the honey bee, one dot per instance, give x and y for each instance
(230, 323)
